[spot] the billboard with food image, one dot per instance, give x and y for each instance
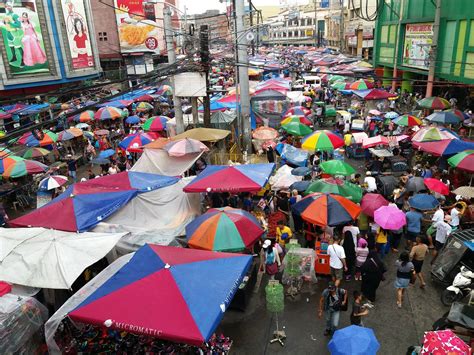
(138, 31)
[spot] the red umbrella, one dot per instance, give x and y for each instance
(371, 202)
(437, 186)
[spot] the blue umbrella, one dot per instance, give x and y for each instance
(376, 118)
(444, 117)
(391, 115)
(133, 119)
(354, 340)
(100, 161)
(106, 153)
(423, 202)
(301, 171)
(292, 155)
(300, 186)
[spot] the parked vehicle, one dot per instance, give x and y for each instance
(460, 288)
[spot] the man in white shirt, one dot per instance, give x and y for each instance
(337, 261)
(443, 230)
(370, 182)
(437, 216)
(455, 217)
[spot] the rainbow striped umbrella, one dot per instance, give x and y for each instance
(35, 153)
(223, 229)
(16, 167)
(164, 90)
(144, 106)
(298, 111)
(463, 160)
(296, 118)
(70, 133)
(108, 113)
(427, 134)
(84, 117)
(155, 123)
(297, 129)
(47, 138)
(407, 121)
(444, 117)
(4, 152)
(322, 140)
(361, 84)
(134, 142)
(434, 103)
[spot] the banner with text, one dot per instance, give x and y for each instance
(417, 46)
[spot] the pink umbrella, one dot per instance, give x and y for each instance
(374, 141)
(444, 342)
(390, 218)
(185, 146)
(371, 202)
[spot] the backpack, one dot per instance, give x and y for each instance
(270, 258)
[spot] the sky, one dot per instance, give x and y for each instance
(200, 6)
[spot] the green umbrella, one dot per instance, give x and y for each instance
(336, 186)
(334, 78)
(339, 85)
(297, 129)
(463, 160)
(337, 167)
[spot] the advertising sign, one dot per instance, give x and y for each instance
(77, 33)
(417, 46)
(23, 38)
(138, 31)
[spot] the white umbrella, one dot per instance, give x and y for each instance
(46, 258)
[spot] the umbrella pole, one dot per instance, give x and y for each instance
(278, 335)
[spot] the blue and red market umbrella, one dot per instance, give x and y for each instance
(134, 142)
(167, 292)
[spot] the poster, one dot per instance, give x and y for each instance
(138, 31)
(23, 38)
(77, 33)
(417, 46)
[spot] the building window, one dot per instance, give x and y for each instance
(103, 36)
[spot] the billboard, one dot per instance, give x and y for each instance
(417, 45)
(77, 34)
(23, 38)
(138, 31)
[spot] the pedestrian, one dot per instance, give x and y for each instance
(417, 256)
(358, 310)
(270, 154)
(443, 230)
(270, 259)
(332, 300)
(350, 252)
(381, 240)
(361, 256)
(113, 169)
(337, 260)
(372, 274)
(72, 167)
(414, 219)
(405, 272)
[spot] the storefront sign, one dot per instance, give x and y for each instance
(77, 34)
(138, 31)
(417, 46)
(23, 38)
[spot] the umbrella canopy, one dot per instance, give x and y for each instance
(52, 182)
(223, 229)
(423, 202)
(337, 167)
(334, 78)
(158, 143)
(85, 204)
(101, 132)
(14, 167)
(222, 118)
(463, 160)
(5, 152)
(204, 134)
(134, 142)
(427, 134)
(301, 171)
(106, 154)
(322, 140)
(434, 103)
(444, 342)
(371, 202)
(300, 186)
(353, 340)
(144, 106)
(374, 94)
(69, 134)
(144, 97)
(375, 141)
(300, 119)
(108, 113)
(267, 144)
(84, 117)
(461, 115)
(297, 129)
(437, 186)
(361, 84)
(375, 112)
(465, 191)
(185, 146)
(45, 138)
(100, 161)
(326, 209)
(132, 119)
(47, 258)
(173, 293)
(390, 217)
(391, 115)
(35, 153)
(292, 155)
(82, 126)
(237, 178)
(155, 123)
(341, 85)
(415, 184)
(444, 117)
(116, 103)
(265, 133)
(297, 110)
(336, 186)
(407, 121)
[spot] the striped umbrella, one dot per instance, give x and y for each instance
(108, 113)
(185, 146)
(297, 129)
(407, 121)
(444, 117)
(134, 142)
(322, 140)
(52, 182)
(144, 106)
(462, 116)
(84, 117)
(4, 152)
(463, 160)
(434, 103)
(296, 118)
(35, 153)
(223, 229)
(69, 134)
(337, 167)
(427, 134)
(16, 167)
(47, 138)
(298, 111)
(155, 123)
(361, 84)
(336, 186)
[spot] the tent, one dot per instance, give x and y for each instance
(283, 178)
(222, 120)
(267, 107)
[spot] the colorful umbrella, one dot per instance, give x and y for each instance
(374, 94)
(82, 126)
(84, 117)
(336, 186)
(390, 218)
(164, 90)
(52, 182)
(407, 121)
(144, 97)
(291, 155)
(323, 141)
(108, 113)
(106, 154)
(298, 111)
(223, 229)
(444, 117)
(295, 118)
(116, 103)
(463, 160)
(237, 178)
(375, 141)
(297, 129)
(423, 202)
(442, 342)
(265, 133)
(102, 132)
(371, 202)
(427, 134)
(434, 103)
(437, 186)
(361, 84)
(132, 119)
(375, 112)
(465, 191)
(334, 78)
(268, 144)
(69, 134)
(144, 106)
(391, 115)
(340, 85)
(134, 142)
(461, 115)
(326, 209)
(35, 153)
(46, 138)
(337, 167)
(171, 293)
(16, 167)
(5, 152)
(83, 205)
(155, 123)
(354, 340)
(185, 146)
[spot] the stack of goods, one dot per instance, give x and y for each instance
(273, 220)
(275, 297)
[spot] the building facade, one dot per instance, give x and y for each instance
(359, 28)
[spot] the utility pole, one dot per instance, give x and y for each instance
(242, 65)
(397, 44)
(251, 25)
(341, 29)
(178, 111)
(204, 41)
(315, 34)
(434, 50)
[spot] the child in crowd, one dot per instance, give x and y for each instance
(361, 256)
(358, 310)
